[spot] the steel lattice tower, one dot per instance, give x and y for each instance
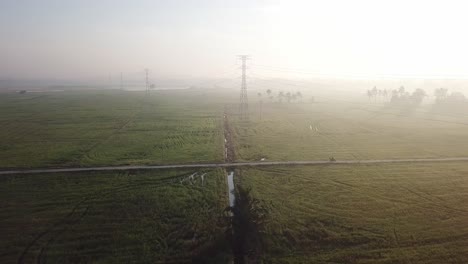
(244, 103)
(121, 81)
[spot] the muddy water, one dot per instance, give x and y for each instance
(228, 146)
(228, 157)
(230, 182)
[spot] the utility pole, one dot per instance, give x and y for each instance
(147, 84)
(260, 102)
(110, 80)
(244, 104)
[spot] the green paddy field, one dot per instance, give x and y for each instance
(379, 213)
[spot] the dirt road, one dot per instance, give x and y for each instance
(234, 164)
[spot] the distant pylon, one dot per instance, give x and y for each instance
(146, 83)
(121, 81)
(244, 103)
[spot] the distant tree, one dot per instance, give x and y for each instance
(456, 97)
(22, 91)
(401, 90)
(369, 94)
(288, 97)
(418, 96)
(395, 96)
(385, 94)
(453, 101)
(261, 104)
(406, 99)
(299, 95)
(440, 94)
(375, 92)
(269, 94)
(280, 96)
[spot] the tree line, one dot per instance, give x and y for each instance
(281, 96)
(402, 96)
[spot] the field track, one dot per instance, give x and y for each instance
(233, 164)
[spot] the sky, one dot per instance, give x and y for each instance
(72, 39)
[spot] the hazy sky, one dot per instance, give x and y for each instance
(200, 38)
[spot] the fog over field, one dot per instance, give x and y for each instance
(206, 131)
(88, 40)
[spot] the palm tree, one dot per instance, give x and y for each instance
(440, 94)
(385, 94)
(369, 94)
(375, 93)
(401, 91)
(269, 94)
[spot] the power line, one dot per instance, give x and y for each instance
(350, 75)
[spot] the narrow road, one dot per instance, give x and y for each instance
(234, 164)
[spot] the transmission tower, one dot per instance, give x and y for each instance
(244, 104)
(146, 83)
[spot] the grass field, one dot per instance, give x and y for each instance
(405, 213)
(92, 128)
(126, 217)
(380, 213)
(349, 130)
